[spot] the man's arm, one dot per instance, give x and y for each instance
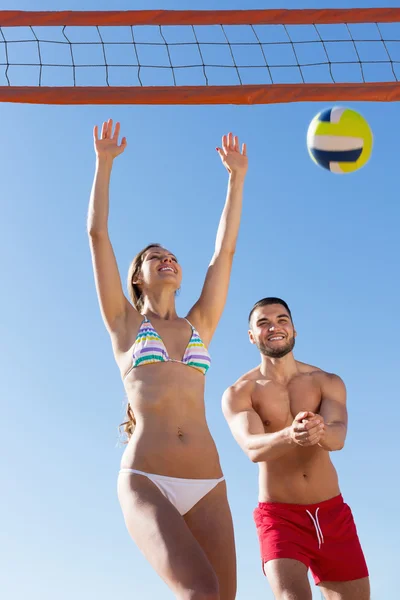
(334, 412)
(248, 430)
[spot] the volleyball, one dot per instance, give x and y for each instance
(339, 139)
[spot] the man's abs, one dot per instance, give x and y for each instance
(302, 476)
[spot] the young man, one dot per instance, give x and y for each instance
(287, 416)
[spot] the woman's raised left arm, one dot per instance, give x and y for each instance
(207, 311)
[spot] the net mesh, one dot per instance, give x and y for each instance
(199, 55)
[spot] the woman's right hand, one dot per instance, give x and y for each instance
(107, 146)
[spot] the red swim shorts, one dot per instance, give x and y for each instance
(322, 536)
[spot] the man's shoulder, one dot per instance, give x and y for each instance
(317, 373)
(246, 380)
(244, 385)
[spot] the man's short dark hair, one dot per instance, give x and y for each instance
(266, 302)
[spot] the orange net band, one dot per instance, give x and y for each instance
(17, 18)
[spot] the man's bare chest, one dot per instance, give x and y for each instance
(278, 404)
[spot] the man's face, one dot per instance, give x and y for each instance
(272, 330)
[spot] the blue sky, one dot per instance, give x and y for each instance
(327, 244)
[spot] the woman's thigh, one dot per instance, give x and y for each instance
(163, 537)
(210, 521)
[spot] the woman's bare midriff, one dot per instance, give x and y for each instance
(171, 436)
(302, 476)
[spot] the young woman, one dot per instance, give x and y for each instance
(171, 488)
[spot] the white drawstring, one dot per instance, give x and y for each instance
(317, 526)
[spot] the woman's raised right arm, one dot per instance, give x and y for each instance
(114, 305)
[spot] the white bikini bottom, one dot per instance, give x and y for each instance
(182, 493)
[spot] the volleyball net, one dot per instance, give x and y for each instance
(199, 57)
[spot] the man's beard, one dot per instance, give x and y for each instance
(278, 352)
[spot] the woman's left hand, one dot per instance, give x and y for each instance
(234, 160)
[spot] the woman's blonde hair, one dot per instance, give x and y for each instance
(134, 291)
(129, 425)
(135, 295)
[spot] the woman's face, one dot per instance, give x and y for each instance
(160, 265)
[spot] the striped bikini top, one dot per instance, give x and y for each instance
(149, 348)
